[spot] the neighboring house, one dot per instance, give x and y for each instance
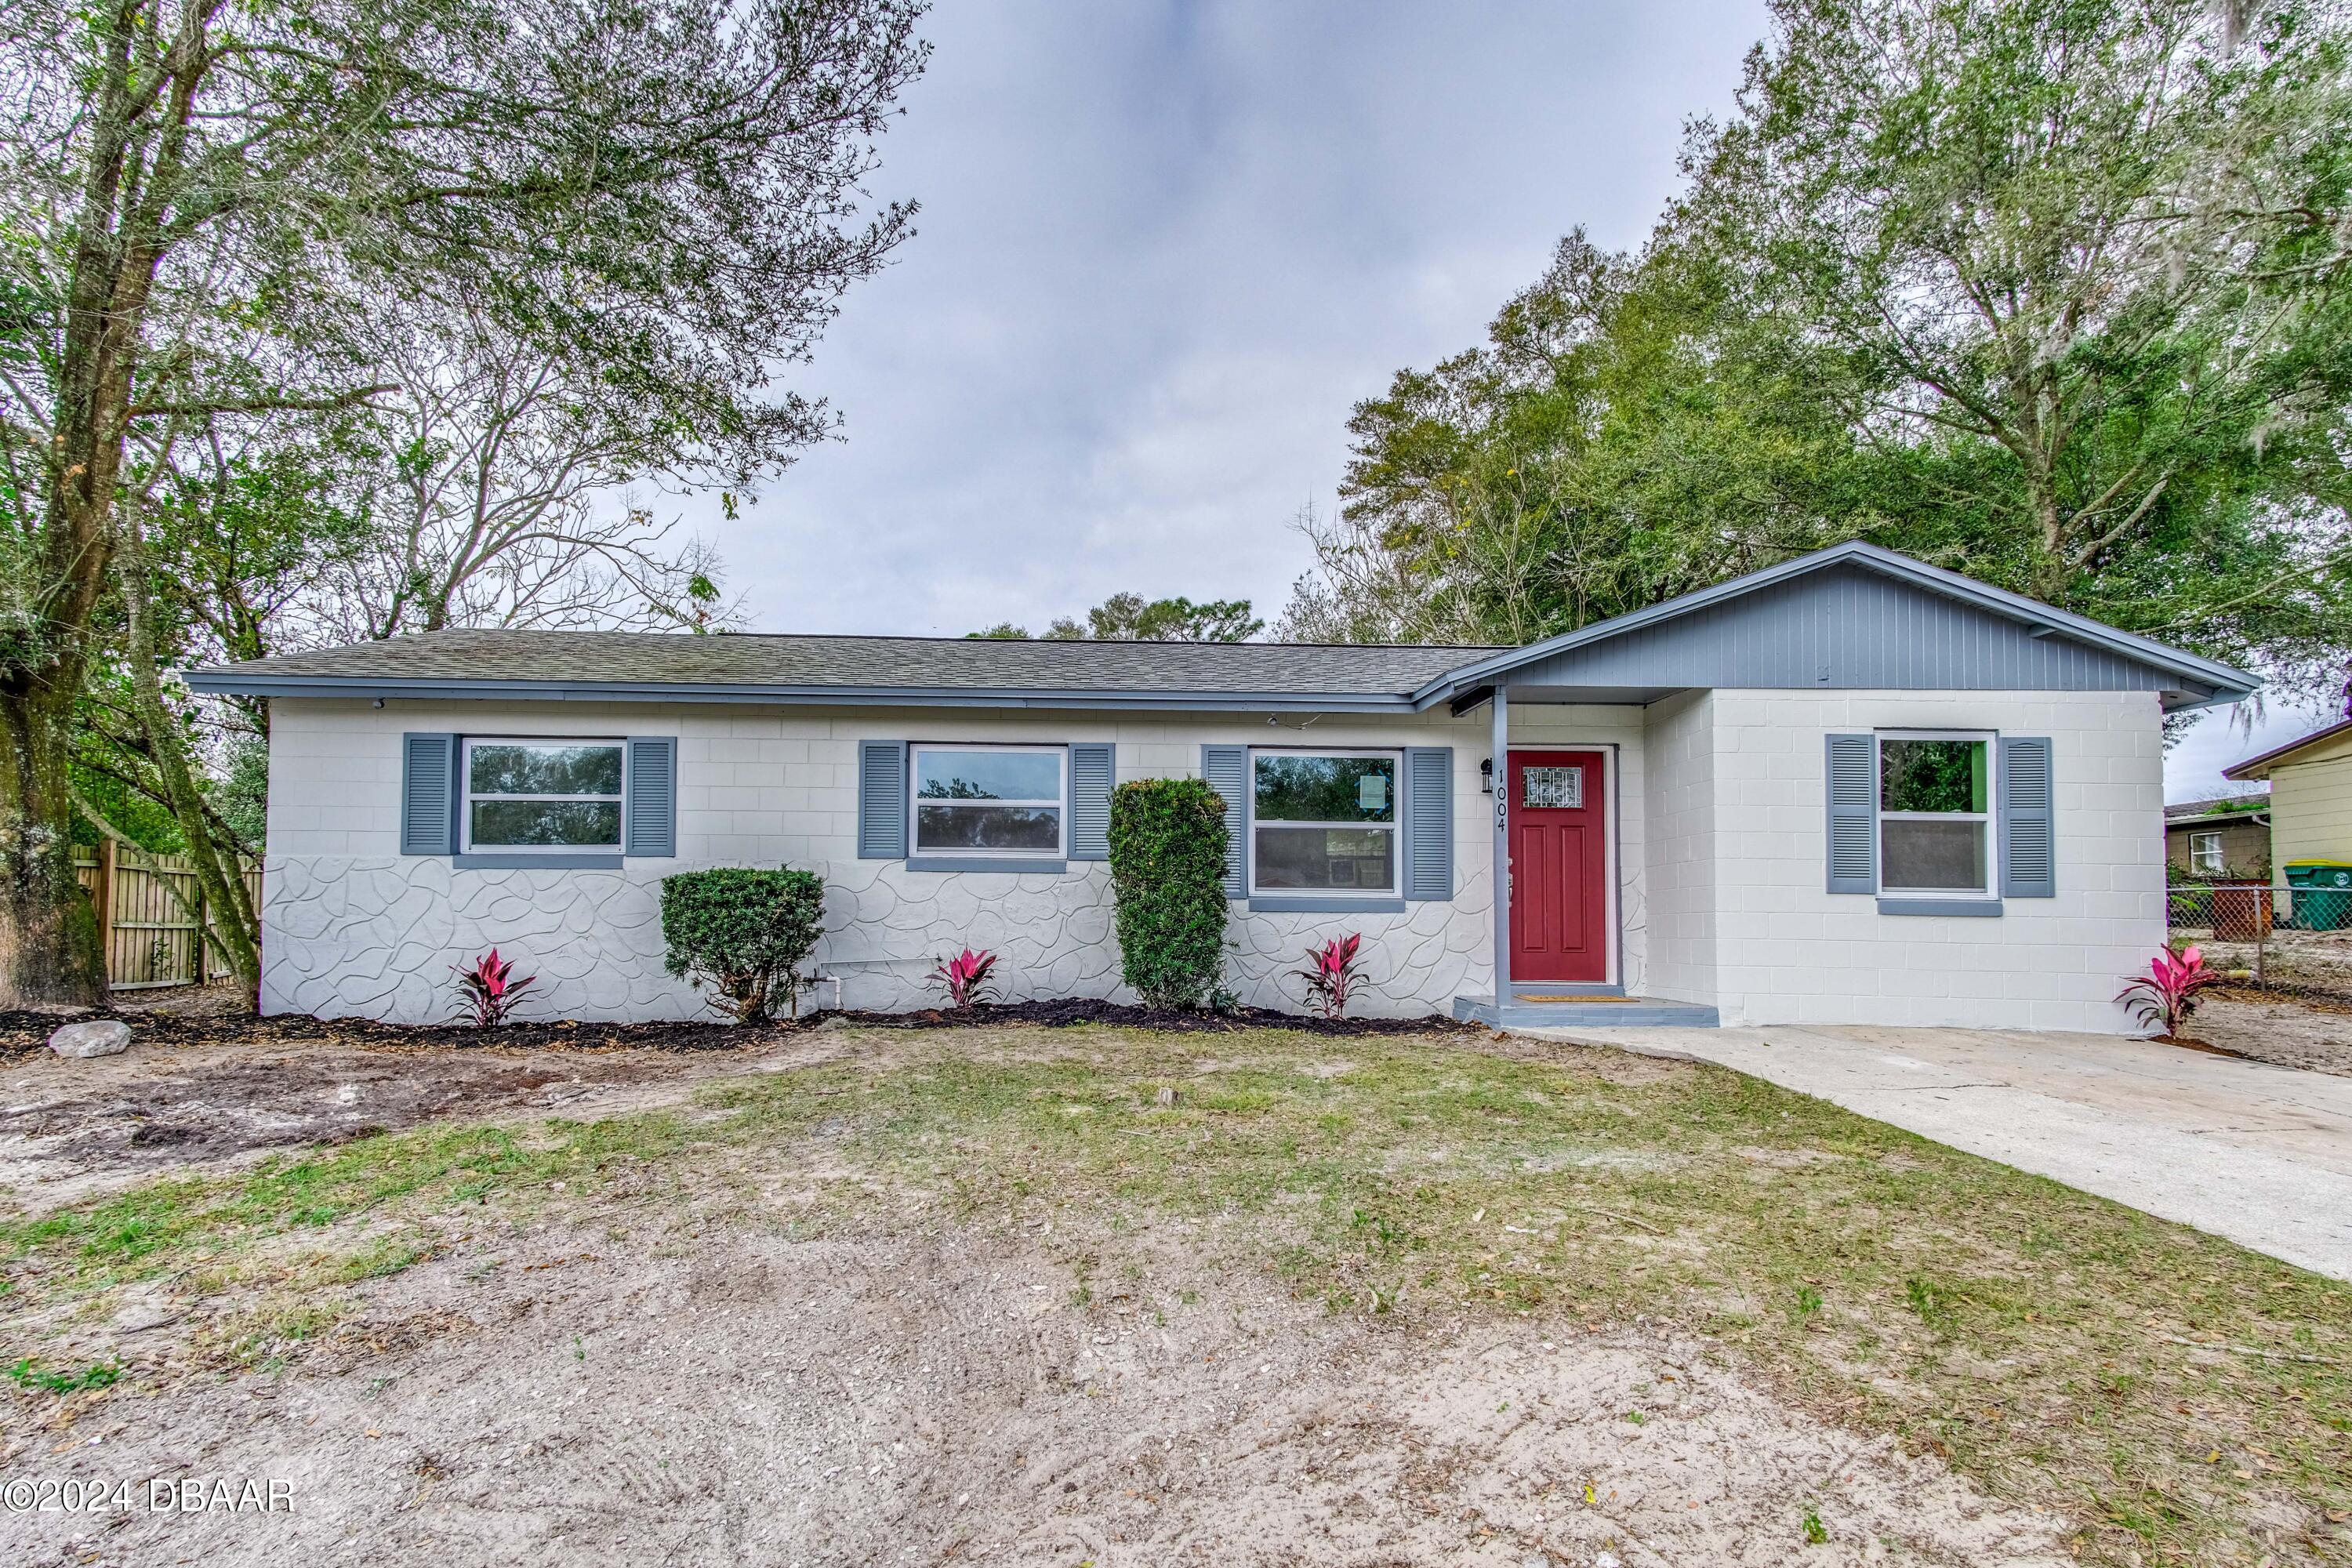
(2311, 795)
(1852, 788)
(2219, 840)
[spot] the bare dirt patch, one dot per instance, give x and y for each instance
(24, 1033)
(2282, 1028)
(206, 1081)
(959, 1397)
(69, 1130)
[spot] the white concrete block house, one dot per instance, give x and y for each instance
(1852, 788)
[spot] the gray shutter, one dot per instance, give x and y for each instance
(1854, 814)
(1091, 767)
(1227, 770)
(1429, 822)
(428, 795)
(2029, 829)
(649, 816)
(881, 800)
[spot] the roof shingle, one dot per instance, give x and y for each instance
(943, 664)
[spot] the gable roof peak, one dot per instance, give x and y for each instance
(2208, 681)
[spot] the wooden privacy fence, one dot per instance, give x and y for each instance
(150, 936)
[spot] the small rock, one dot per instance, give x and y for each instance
(1168, 1095)
(98, 1037)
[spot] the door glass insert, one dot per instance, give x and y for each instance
(1562, 788)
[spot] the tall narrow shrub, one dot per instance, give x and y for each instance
(1168, 868)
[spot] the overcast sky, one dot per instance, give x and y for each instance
(1163, 248)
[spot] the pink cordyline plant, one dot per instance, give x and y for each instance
(2167, 993)
(490, 989)
(1330, 974)
(966, 978)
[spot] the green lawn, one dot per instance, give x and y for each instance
(2176, 1396)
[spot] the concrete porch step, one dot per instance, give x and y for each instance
(1560, 1010)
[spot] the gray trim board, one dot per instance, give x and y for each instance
(1319, 904)
(986, 863)
(536, 862)
(216, 682)
(1979, 909)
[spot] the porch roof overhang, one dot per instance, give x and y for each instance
(1477, 697)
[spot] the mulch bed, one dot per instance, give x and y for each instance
(1072, 1012)
(23, 1033)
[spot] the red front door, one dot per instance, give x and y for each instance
(1560, 867)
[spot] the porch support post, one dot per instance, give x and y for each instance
(1502, 722)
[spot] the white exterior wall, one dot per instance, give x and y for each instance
(353, 927)
(1683, 848)
(1787, 950)
(1720, 840)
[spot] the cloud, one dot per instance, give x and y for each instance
(1163, 250)
(2221, 737)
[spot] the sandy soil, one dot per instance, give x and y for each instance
(943, 1397)
(2293, 1033)
(72, 1130)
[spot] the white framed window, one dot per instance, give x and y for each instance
(526, 794)
(1324, 822)
(1935, 813)
(988, 800)
(2205, 853)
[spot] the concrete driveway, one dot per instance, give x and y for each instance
(2260, 1154)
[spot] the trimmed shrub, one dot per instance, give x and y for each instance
(1168, 868)
(743, 933)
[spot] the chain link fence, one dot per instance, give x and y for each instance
(2307, 930)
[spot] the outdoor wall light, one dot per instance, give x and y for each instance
(1487, 776)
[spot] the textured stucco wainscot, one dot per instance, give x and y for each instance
(378, 938)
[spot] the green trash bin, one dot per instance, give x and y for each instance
(2322, 894)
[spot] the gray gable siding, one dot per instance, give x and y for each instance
(1845, 629)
